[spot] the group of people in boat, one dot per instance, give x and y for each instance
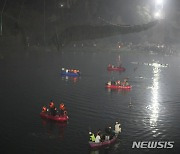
(107, 135)
(70, 70)
(52, 110)
(118, 83)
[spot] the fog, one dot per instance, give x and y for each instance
(55, 24)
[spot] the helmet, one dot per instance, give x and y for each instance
(90, 133)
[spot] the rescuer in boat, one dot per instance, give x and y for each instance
(125, 82)
(109, 133)
(98, 139)
(44, 109)
(78, 72)
(63, 110)
(108, 83)
(118, 83)
(52, 109)
(91, 137)
(113, 82)
(117, 128)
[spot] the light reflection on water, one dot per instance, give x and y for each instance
(72, 79)
(155, 99)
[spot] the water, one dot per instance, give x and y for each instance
(149, 112)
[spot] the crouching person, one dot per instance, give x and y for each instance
(91, 137)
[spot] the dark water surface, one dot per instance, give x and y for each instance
(149, 112)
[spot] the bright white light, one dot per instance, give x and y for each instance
(155, 99)
(159, 2)
(157, 15)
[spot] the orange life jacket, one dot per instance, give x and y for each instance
(51, 105)
(62, 107)
(44, 109)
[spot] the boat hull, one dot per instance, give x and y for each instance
(63, 73)
(54, 118)
(102, 144)
(118, 87)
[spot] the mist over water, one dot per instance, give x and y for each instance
(148, 112)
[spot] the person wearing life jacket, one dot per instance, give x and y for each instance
(117, 128)
(44, 109)
(63, 110)
(109, 83)
(91, 137)
(126, 82)
(118, 82)
(52, 108)
(51, 104)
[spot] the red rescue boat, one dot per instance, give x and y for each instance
(115, 68)
(118, 87)
(59, 118)
(104, 143)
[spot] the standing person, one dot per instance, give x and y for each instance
(109, 132)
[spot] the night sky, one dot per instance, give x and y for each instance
(44, 22)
